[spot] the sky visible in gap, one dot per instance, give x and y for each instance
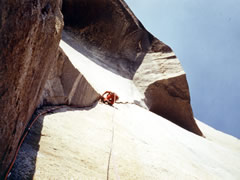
(205, 36)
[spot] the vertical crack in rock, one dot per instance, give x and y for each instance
(111, 147)
(34, 70)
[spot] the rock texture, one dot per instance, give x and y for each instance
(100, 78)
(103, 47)
(30, 32)
(111, 36)
(66, 85)
(126, 142)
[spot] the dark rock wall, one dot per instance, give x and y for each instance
(170, 98)
(109, 33)
(29, 36)
(114, 38)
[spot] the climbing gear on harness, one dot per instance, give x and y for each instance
(109, 97)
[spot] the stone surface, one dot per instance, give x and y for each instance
(99, 77)
(66, 85)
(123, 142)
(30, 32)
(103, 47)
(108, 34)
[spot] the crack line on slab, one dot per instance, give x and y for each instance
(111, 147)
(111, 151)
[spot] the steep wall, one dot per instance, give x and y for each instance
(34, 71)
(126, 142)
(108, 32)
(30, 32)
(111, 36)
(66, 85)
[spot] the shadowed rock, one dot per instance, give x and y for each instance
(110, 35)
(30, 32)
(126, 142)
(33, 70)
(66, 85)
(170, 99)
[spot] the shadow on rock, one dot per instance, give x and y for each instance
(24, 167)
(107, 33)
(25, 164)
(110, 35)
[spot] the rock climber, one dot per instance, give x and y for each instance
(109, 97)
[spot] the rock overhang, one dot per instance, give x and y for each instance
(110, 35)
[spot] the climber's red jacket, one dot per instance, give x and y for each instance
(109, 97)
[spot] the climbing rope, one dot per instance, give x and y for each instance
(110, 100)
(27, 130)
(111, 155)
(111, 147)
(24, 136)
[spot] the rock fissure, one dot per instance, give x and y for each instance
(103, 47)
(111, 148)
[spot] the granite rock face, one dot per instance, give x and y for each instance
(111, 36)
(30, 32)
(101, 35)
(67, 86)
(126, 142)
